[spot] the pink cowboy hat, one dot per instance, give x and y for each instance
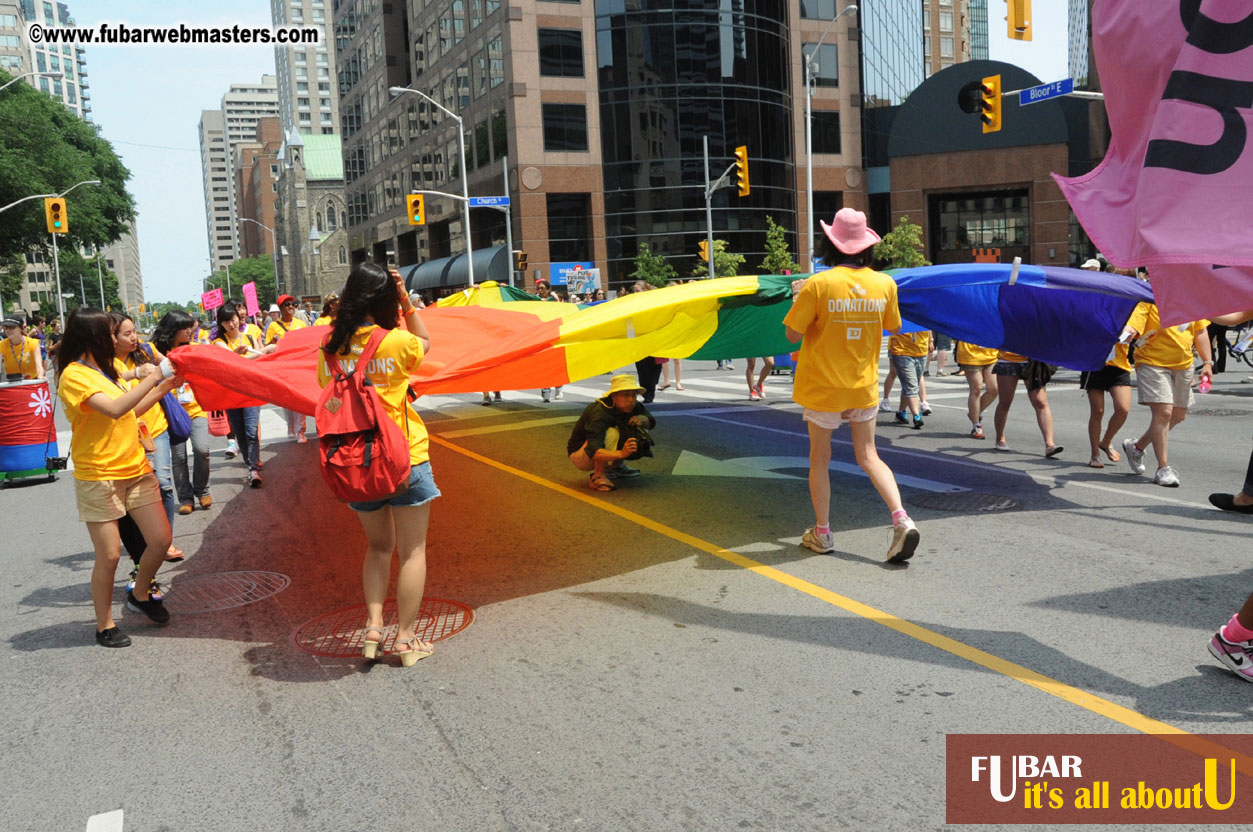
(848, 231)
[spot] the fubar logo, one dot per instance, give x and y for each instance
(1020, 768)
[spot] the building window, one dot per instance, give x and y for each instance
(984, 220)
(561, 53)
(946, 47)
(569, 222)
(565, 127)
(946, 21)
(500, 135)
(826, 131)
(818, 9)
(330, 217)
(343, 256)
(827, 58)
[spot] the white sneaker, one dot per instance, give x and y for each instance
(232, 448)
(1135, 456)
(926, 409)
(557, 394)
(904, 541)
(820, 543)
(1166, 476)
(884, 407)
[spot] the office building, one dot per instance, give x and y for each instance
(216, 178)
(1079, 32)
(256, 168)
(308, 100)
(954, 31)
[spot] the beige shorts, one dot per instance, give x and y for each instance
(1159, 385)
(832, 421)
(100, 501)
(580, 458)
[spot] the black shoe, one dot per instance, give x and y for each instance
(900, 417)
(917, 423)
(152, 608)
(112, 637)
(1227, 502)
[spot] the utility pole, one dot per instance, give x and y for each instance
(709, 215)
(504, 167)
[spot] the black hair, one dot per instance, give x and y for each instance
(832, 256)
(225, 312)
(139, 356)
(88, 331)
(174, 322)
(369, 291)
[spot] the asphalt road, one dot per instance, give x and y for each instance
(661, 657)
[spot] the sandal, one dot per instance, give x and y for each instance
(1095, 462)
(664, 386)
(174, 554)
(601, 483)
(1113, 455)
(1002, 445)
(679, 387)
(415, 654)
(1053, 451)
(370, 650)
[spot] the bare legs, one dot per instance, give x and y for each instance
(107, 542)
(1121, 397)
(402, 529)
(1165, 417)
(867, 457)
(1006, 387)
(767, 364)
(983, 392)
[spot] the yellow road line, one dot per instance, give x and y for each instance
(1069, 693)
(530, 423)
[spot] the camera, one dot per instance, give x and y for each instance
(643, 442)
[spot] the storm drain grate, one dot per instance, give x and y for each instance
(222, 591)
(964, 501)
(339, 634)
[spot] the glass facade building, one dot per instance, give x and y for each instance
(978, 30)
(669, 74)
(1077, 32)
(892, 35)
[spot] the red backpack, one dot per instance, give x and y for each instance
(362, 452)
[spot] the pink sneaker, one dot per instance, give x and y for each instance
(1237, 656)
(760, 392)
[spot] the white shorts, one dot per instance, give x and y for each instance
(832, 421)
(1158, 385)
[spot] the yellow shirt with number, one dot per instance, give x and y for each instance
(277, 329)
(841, 314)
(22, 359)
(913, 344)
(102, 448)
(396, 359)
(1169, 348)
(973, 355)
(154, 417)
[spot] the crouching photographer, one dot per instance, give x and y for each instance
(612, 429)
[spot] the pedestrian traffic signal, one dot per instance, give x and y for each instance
(417, 209)
(519, 261)
(1019, 19)
(54, 213)
(741, 169)
(990, 103)
(704, 250)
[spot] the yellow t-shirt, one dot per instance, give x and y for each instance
(396, 359)
(1011, 357)
(325, 319)
(241, 340)
(842, 313)
(154, 417)
(914, 344)
(1169, 348)
(973, 355)
(102, 448)
(202, 336)
(277, 329)
(22, 359)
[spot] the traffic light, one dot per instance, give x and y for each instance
(990, 103)
(519, 261)
(741, 169)
(417, 209)
(54, 213)
(704, 250)
(1019, 19)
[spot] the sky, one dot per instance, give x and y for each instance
(147, 101)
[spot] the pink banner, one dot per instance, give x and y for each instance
(250, 299)
(1176, 186)
(212, 300)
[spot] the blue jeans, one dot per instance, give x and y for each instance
(243, 422)
(160, 460)
(197, 484)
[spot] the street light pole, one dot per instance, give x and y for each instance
(465, 175)
(100, 275)
(810, 62)
(55, 76)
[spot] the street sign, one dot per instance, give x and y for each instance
(489, 201)
(1033, 95)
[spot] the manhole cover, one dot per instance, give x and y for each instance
(339, 634)
(1218, 411)
(964, 501)
(222, 591)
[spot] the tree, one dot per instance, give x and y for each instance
(778, 255)
(259, 270)
(44, 149)
(901, 247)
(726, 264)
(652, 268)
(80, 278)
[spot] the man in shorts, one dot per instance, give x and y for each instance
(611, 430)
(841, 314)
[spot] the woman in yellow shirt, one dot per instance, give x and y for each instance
(243, 420)
(373, 298)
(1114, 378)
(173, 331)
(19, 353)
(111, 475)
(1010, 367)
(976, 363)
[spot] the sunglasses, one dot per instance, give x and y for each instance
(289, 303)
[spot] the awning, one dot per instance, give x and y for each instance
(489, 264)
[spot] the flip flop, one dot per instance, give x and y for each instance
(1002, 445)
(664, 386)
(1053, 451)
(1095, 462)
(1113, 455)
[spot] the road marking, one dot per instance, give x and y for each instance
(530, 423)
(692, 464)
(1068, 693)
(984, 467)
(106, 822)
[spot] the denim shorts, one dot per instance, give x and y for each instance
(908, 370)
(421, 490)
